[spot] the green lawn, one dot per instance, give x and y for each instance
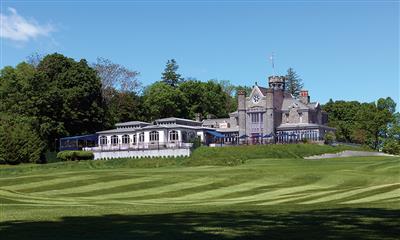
(348, 198)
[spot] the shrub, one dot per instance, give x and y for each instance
(329, 138)
(75, 155)
(391, 146)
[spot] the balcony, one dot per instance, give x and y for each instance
(139, 146)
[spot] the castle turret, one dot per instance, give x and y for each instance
(276, 82)
(242, 112)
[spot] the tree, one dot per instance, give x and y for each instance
(205, 98)
(374, 121)
(170, 75)
(161, 100)
(115, 77)
(386, 103)
(19, 143)
(123, 107)
(391, 142)
(293, 83)
(342, 116)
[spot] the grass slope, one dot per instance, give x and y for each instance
(349, 198)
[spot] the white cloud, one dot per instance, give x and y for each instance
(17, 28)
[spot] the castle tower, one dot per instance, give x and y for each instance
(275, 95)
(242, 112)
(276, 82)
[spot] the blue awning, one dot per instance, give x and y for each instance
(243, 136)
(216, 134)
(90, 137)
(256, 135)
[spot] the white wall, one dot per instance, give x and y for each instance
(143, 153)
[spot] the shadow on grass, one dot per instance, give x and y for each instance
(356, 223)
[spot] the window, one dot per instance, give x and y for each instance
(256, 118)
(141, 137)
(134, 139)
(103, 140)
(154, 136)
(173, 135)
(114, 140)
(125, 139)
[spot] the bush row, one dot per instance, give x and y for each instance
(75, 155)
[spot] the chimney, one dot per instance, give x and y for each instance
(304, 98)
(197, 117)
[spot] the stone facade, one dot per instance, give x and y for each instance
(272, 113)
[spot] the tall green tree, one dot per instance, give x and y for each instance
(19, 143)
(161, 100)
(63, 97)
(342, 116)
(293, 82)
(374, 122)
(170, 75)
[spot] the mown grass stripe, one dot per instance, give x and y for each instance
(215, 193)
(160, 189)
(100, 186)
(377, 197)
(49, 182)
(348, 194)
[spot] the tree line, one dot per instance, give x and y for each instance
(53, 96)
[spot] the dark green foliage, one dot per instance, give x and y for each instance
(196, 142)
(329, 138)
(123, 107)
(19, 143)
(162, 100)
(75, 155)
(391, 146)
(61, 95)
(363, 123)
(293, 83)
(170, 75)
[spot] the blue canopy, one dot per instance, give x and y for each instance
(90, 137)
(243, 136)
(268, 135)
(256, 135)
(216, 134)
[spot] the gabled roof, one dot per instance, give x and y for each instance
(288, 102)
(263, 90)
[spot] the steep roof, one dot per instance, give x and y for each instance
(263, 90)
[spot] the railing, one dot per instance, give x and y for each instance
(140, 146)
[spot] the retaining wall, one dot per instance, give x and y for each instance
(179, 152)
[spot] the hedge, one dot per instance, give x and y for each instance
(75, 155)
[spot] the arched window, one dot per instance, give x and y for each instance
(125, 139)
(114, 140)
(103, 140)
(154, 136)
(134, 139)
(141, 137)
(173, 135)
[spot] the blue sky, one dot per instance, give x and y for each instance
(342, 49)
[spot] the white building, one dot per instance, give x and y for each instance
(164, 137)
